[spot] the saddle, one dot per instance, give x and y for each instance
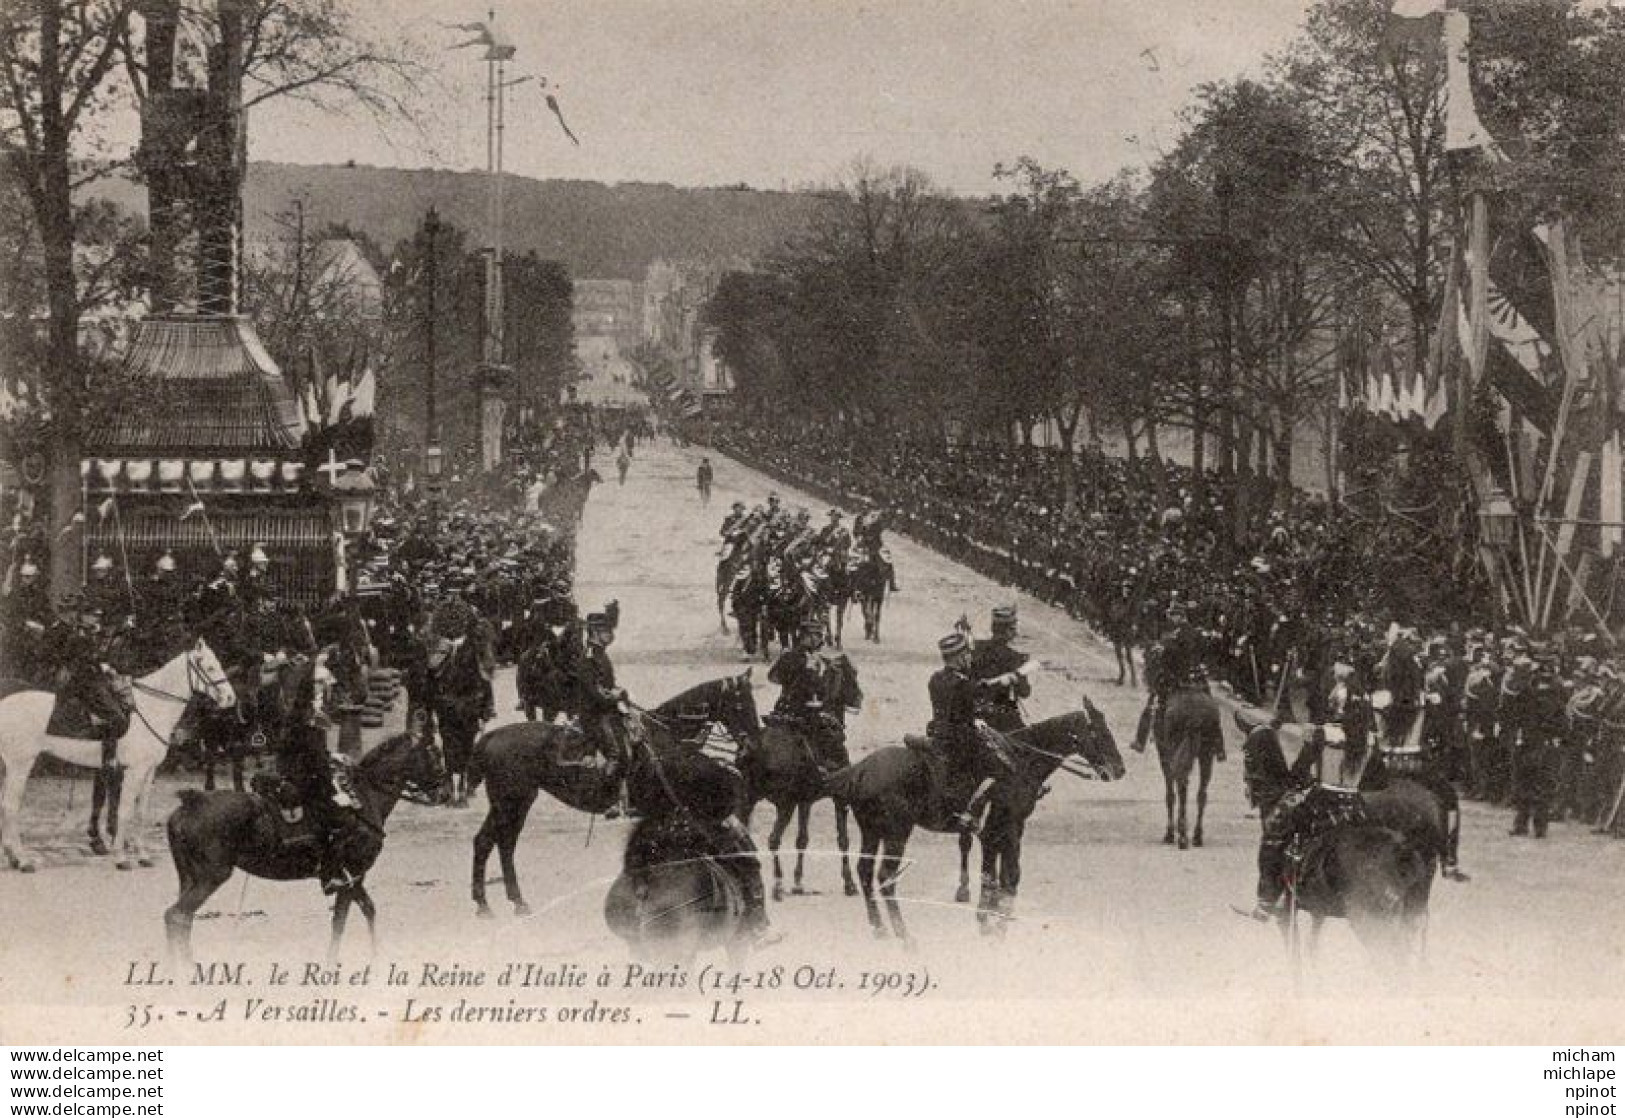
(85, 718)
(281, 801)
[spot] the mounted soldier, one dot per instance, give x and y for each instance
(1322, 793)
(601, 703)
(254, 587)
(957, 735)
(318, 779)
(1176, 661)
(868, 533)
(999, 668)
(815, 693)
(834, 539)
(92, 702)
(109, 596)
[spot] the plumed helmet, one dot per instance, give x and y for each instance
(166, 562)
(104, 562)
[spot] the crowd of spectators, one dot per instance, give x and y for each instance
(1307, 586)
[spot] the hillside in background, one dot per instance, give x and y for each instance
(595, 230)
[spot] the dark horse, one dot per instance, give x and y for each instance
(518, 761)
(1371, 874)
(892, 791)
(673, 898)
(1188, 735)
(213, 833)
(869, 585)
(563, 502)
(784, 772)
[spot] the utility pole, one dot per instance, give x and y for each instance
(431, 228)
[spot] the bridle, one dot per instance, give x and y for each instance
(195, 674)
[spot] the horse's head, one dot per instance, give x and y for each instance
(412, 762)
(205, 676)
(1088, 735)
(728, 702)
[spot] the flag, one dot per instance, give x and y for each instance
(74, 521)
(498, 47)
(105, 509)
(192, 510)
(552, 104)
(338, 398)
(1463, 131)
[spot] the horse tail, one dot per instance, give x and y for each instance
(842, 784)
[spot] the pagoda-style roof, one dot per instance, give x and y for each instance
(201, 386)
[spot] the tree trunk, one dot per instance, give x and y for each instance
(1153, 450)
(1131, 442)
(1283, 465)
(1067, 432)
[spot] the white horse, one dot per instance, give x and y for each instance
(160, 699)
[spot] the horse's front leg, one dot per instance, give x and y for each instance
(363, 900)
(1184, 801)
(775, 838)
(143, 798)
(1168, 795)
(13, 780)
(866, 878)
(127, 844)
(891, 868)
(848, 886)
(1205, 774)
(803, 813)
(962, 894)
(341, 913)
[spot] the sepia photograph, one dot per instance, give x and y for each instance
(741, 522)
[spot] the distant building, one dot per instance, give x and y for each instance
(674, 297)
(609, 308)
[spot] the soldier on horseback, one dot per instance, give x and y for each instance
(998, 667)
(958, 734)
(601, 704)
(868, 533)
(1320, 792)
(88, 702)
(318, 778)
(814, 691)
(1176, 661)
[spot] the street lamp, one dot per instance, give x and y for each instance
(1497, 518)
(355, 493)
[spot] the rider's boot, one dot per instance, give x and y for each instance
(1143, 731)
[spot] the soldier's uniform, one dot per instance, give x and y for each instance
(598, 699)
(28, 616)
(998, 667)
(812, 695)
(953, 729)
(107, 595)
(1324, 798)
(1177, 660)
(834, 539)
(1533, 722)
(868, 533)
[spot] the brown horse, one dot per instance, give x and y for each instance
(520, 761)
(213, 833)
(893, 790)
(1188, 735)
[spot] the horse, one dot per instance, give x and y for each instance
(837, 596)
(1188, 734)
(158, 700)
(791, 596)
(869, 586)
(783, 771)
(1373, 873)
(565, 500)
(728, 568)
(1003, 830)
(892, 791)
(748, 599)
(518, 761)
(673, 899)
(213, 833)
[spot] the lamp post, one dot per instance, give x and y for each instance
(431, 433)
(1497, 519)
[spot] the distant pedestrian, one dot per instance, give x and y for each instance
(623, 460)
(702, 480)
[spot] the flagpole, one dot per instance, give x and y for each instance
(124, 556)
(203, 511)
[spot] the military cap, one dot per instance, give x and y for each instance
(953, 644)
(1004, 616)
(600, 622)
